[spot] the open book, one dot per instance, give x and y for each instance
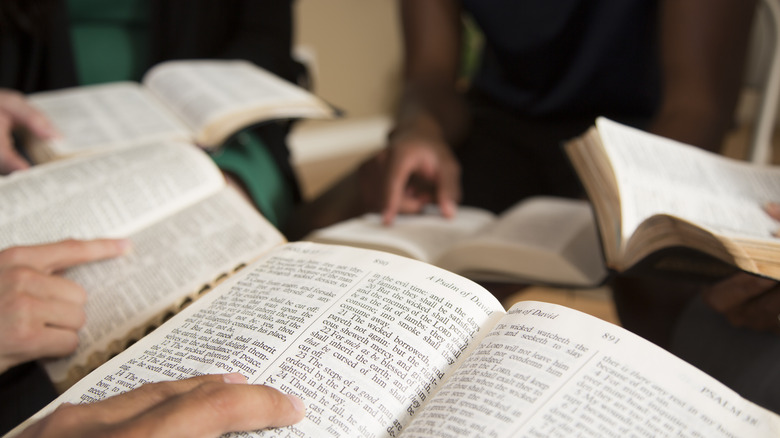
(201, 101)
(539, 240)
(654, 197)
(379, 345)
(187, 230)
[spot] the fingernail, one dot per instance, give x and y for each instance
(296, 402)
(234, 378)
(124, 245)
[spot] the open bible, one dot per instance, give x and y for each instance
(187, 229)
(674, 208)
(201, 101)
(381, 345)
(539, 240)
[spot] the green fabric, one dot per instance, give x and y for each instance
(110, 39)
(249, 160)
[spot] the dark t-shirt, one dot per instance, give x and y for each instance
(569, 58)
(548, 69)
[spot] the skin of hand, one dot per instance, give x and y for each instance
(203, 406)
(420, 169)
(703, 46)
(40, 311)
(17, 113)
(747, 300)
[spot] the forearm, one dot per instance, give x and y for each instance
(703, 52)
(433, 113)
(430, 102)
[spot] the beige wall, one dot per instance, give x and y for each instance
(357, 49)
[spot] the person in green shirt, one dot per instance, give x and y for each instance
(50, 44)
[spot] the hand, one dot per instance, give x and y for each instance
(41, 313)
(747, 301)
(203, 406)
(773, 210)
(420, 169)
(16, 112)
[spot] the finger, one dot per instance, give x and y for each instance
(10, 160)
(56, 256)
(395, 184)
(21, 113)
(448, 192)
(773, 210)
(28, 334)
(209, 408)
(27, 280)
(214, 409)
(51, 342)
(735, 290)
(141, 399)
(60, 314)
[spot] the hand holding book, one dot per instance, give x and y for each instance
(40, 312)
(656, 199)
(17, 113)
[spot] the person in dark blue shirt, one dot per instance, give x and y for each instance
(545, 71)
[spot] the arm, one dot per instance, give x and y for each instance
(41, 313)
(203, 406)
(419, 162)
(17, 113)
(703, 47)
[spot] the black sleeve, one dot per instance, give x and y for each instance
(259, 31)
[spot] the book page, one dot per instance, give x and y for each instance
(541, 239)
(362, 337)
(107, 195)
(100, 117)
(658, 175)
(170, 261)
(549, 371)
(205, 93)
(422, 236)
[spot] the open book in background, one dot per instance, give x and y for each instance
(543, 240)
(380, 345)
(671, 207)
(187, 230)
(201, 101)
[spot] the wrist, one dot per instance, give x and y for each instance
(422, 126)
